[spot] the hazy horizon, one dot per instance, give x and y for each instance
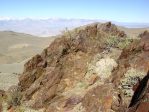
(107, 10)
(51, 17)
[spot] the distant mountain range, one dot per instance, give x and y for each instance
(50, 27)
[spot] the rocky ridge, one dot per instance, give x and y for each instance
(95, 68)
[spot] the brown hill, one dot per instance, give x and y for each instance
(90, 69)
(17, 47)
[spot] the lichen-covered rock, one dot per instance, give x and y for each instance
(140, 99)
(131, 77)
(102, 65)
(133, 65)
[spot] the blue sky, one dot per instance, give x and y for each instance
(114, 10)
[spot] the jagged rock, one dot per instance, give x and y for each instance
(99, 99)
(110, 28)
(133, 66)
(145, 41)
(63, 64)
(140, 99)
(81, 72)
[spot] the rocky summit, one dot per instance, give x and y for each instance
(94, 68)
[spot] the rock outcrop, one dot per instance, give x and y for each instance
(95, 68)
(140, 99)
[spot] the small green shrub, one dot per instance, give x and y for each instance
(114, 41)
(20, 109)
(13, 97)
(124, 43)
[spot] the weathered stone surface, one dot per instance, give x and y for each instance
(110, 28)
(80, 72)
(64, 63)
(99, 99)
(133, 66)
(140, 100)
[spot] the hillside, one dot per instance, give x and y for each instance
(95, 68)
(16, 47)
(15, 50)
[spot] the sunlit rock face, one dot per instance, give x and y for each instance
(90, 69)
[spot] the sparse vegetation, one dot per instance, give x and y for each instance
(13, 97)
(82, 85)
(114, 41)
(67, 33)
(131, 77)
(124, 43)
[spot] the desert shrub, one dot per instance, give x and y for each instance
(112, 41)
(20, 109)
(13, 96)
(124, 43)
(67, 33)
(82, 85)
(119, 42)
